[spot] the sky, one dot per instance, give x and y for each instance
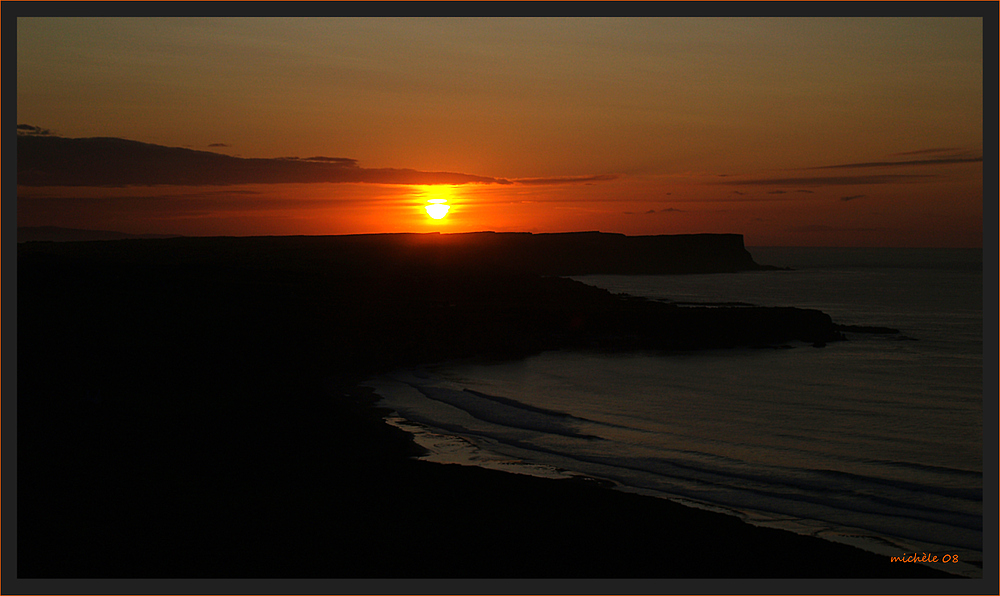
(821, 131)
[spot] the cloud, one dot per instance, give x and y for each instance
(340, 160)
(565, 179)
(199, 202)
(103, 161)
(909, 162)
(813, 228)
(945, 150)
(834, 180)
(28, 129)
(931, 157)
(939, 157)
(655, 211)
(852, 197)
(218, 145)
(201, 193)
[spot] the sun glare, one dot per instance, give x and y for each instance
(437, 210)
(437, 201)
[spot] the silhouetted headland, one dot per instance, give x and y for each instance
(58, 234)
(188, 407)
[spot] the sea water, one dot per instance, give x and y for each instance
(876, 441)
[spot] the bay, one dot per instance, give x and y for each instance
(876, 441)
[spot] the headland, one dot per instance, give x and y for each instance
(188, 408)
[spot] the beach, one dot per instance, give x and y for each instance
(192, 408)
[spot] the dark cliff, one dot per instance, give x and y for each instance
(570, 253)
(360, 304)
(581, 253)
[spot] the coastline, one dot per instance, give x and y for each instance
(190, 408)
(443, 446)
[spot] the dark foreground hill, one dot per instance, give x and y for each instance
(188, 408)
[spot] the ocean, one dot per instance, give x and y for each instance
(876, 441)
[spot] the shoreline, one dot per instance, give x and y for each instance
(631, 533)
(442, 448)
(189, 408)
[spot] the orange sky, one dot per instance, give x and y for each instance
(808, 132)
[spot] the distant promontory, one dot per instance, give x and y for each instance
(582, 253)
(567, 253)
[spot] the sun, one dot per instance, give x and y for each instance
(438, 208)
(437, 201)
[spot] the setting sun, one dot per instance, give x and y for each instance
(437, 200)
(437, 208)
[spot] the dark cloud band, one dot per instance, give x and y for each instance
(937, 161)
(833, 180)
(565, 180)
(57, 161)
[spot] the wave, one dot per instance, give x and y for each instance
(506, 412)
(899, 501)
